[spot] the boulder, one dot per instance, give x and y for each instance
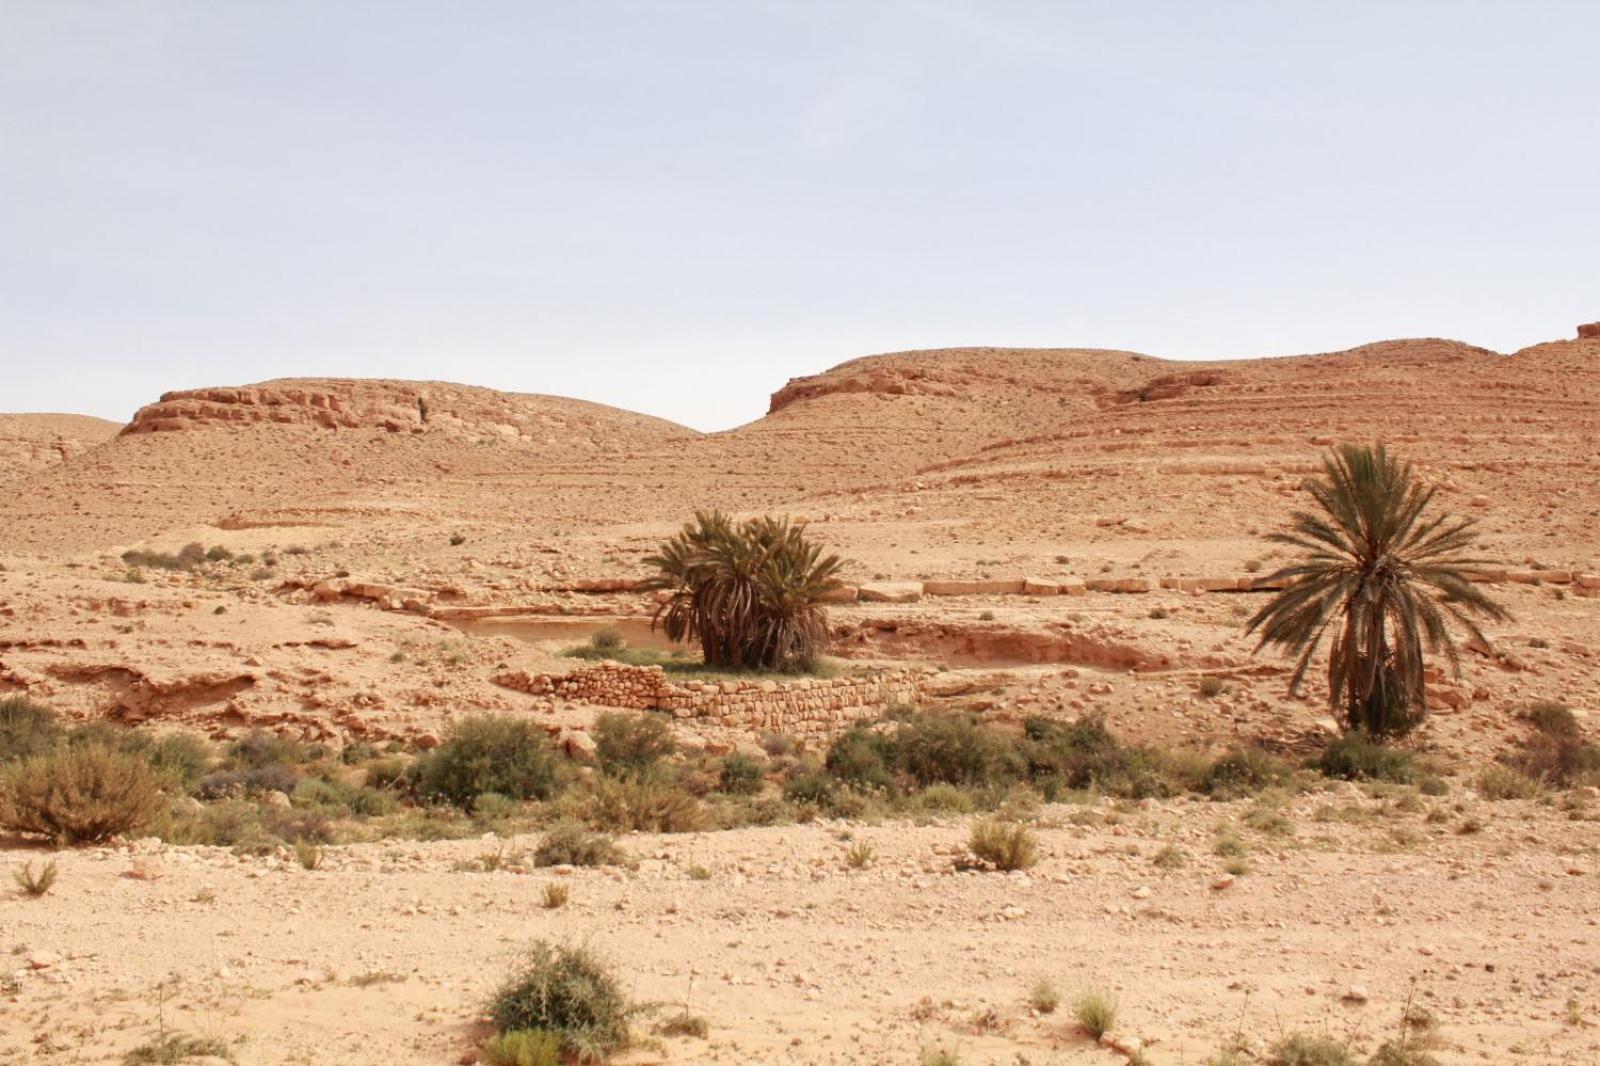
(1589, 331)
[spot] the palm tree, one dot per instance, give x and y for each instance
(1382, 577)
(751, 593)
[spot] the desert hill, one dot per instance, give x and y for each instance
(301, 446)
(30, 442)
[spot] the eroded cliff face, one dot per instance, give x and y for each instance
(454, 411)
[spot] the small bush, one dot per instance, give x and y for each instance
(1171, 857)
(1301, 1049)
(572, 845)
(555, 896)
(1502, 783)
(809, 786)
(260, 748)
(308, 855)
(740, 775)
(643, 805)
(1552, 718)
(172, 1048)
(607, 639)
(79, 795)
(631, 744)
(570, 994)
(182, 758)
(1044, 997)
(955, 749)
(26, 728)
(511, 756)
(860, 855)
(1357, 757)
(223, 784)
(1004, 846)
(946, 799)
(685, 1024)
(33, 884)
(523, 1047)
(1245, 771)
(1400, 1053)
(862, 758)
(1210, 686)
(1096, 1013)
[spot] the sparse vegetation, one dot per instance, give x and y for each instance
(1044, 997)
(170, 1049)
(740, 775)
(1358, 757)
(1301, 1049)
(684, 1024)
(1096, 1012)
(1003, 845)
(26, 728)
(523, 1047)
(571, 995)
(33, 884)
(79, 794)
(555, 895)
(859, 855)
(572, 845)
(1386, 576)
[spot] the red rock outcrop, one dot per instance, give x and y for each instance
(1589, 331)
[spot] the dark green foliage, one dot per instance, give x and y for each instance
(863, 758)
(567, 992)
(631, 744)
(183, 758)
(511, 756)
(749, 592)
(1086, 755)
(337, 797)
(955, 749)
(635, 804)
(741, 775)
(1357, 757)
(809, 786)
(260, 748)
(1381, 578)
(26, 728)
(221, 784)
(1244, 771)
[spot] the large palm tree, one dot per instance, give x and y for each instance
(1382, 574)
(750, 593)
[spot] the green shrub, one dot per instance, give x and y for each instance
(809, 786)
(1503, 783)
(523, 1047)
(1245, 771)
(685, 1024)
(740, 775)
(26, 728)
(1003, 845)
(511, 756)
(260, 748)
(346, 799)
(79, 794)
(1358, 757)
(181, 757)
(170, 1048)
(1044, 997)
(223, 784)
(644, 805)
(946, 798)
(570, 994)
(955, 749)
(631, 744)
(34, 885)
(572, 845)
(1301, 1049)
(862, 758)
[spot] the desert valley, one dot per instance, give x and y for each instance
(1078, 816)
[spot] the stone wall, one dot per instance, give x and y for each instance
(802, 705)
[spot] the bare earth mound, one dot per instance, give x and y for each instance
(39, 442)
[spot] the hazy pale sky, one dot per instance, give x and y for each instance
(675, 206)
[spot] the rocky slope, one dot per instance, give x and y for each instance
(33, 442)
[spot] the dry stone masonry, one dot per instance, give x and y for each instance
(800, 705)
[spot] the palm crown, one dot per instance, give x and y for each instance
(1382, 576)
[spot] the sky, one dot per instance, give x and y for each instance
(674, 206)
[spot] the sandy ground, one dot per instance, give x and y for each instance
(386, 953)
